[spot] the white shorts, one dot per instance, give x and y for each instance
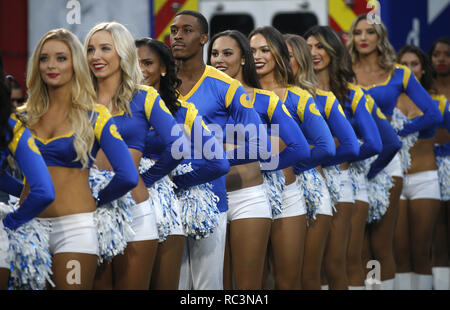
(4, 247)
(74, 233)
(249, 202)
(143, 222)
(421, 185)
(361, 190)
(202, 266)
(394, 168)
(293, 202)
(346, 187)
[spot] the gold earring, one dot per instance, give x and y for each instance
(242, 63)
(163, 74)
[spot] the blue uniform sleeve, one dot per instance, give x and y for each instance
(163, 123)
(125, 172)
(316, 131)
(209, 160)
(340, 127)
(31, 163)
(241, 110)
(391, 142)
(297, 148)
(10, 184)
(367, 129)
(431, 115)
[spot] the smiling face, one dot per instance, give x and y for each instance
(412, 61)
(186, 37)
(55, 64)
(365, 37)
(264, 59)
(226, 56)
(441, 58)
(320, 57)
(151, 66)
(103, 59)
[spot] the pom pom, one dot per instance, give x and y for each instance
(163, 200)
(274, 184)
(398, 121)
(333, 182)
(378, 191)
(199, 213)
(311, 181)
(443, 164)
(113, 219)
(28, 253)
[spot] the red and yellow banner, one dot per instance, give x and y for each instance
(341, 15)
(164, 11)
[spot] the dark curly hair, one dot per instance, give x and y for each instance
(340, 67)
(5, 110)
(427, 78)
(170, 82)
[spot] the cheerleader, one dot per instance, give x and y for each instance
(440, 60)
(158, 67)
(354, 106)
(16, 140)
(69, 128)
(223, 103)
(421, 190)
(287, 238)
(319, 210)
(115, 72)
(373, 63)
(325, 51)
(250, 214)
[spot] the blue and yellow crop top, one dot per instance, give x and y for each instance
(401, 80)
(357, 113)
(217, 98)
(26, 154)
(444, 108)
(302, 108)
(340, 128)
(195, 144)
(149, 110)
(60, 151)
(272, 111)
(391, 142)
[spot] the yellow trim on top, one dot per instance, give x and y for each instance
(369, 103)
(331, 98)
(191, 114)
(380, 114)
(357, 97)
(231, 92)
(102, 118)
(32, 145)
(301, 107)
(18, 131)
(150, 98)
(47, 141)
(442, 102)
(273, 101)
(196, 86)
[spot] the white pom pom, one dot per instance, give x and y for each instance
(311, 181)
(443, 163)
(274, 184)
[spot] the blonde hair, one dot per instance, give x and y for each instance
(386, 53)
(305, 77)
(83, 94)
(129, 65)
